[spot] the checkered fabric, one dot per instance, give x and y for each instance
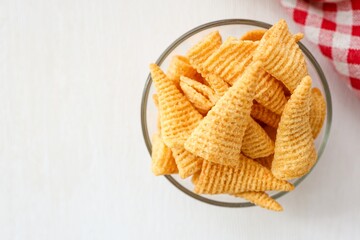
(334, 26)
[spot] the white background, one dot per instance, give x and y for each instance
(73, 163)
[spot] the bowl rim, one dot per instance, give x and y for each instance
(218, 23)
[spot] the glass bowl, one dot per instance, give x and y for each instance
(227, 27)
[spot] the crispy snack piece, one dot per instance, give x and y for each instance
(156, 99)
(256, 143)
(199, 101)
(266, 161)
(203, 49)
(295, 153)
(261, 199)
(271, 132)
(201, 96)
(246, 176)
(253, 35)
(187, 163)
(203, 89)
(218, 84)
(298, 37)
(270, 93)
(259, 112)
(162, 162)
(219, 136)
(178, 117)
(199, 53)
(317, 111)
(281, 56)
(228, 62)
(180, 66)
(195, 178)
(156, 102)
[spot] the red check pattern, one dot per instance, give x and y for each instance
(333, 25)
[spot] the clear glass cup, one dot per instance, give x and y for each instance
(235, 28)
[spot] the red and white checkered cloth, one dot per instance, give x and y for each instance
(334, 25)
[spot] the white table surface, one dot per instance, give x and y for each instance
(73, 163)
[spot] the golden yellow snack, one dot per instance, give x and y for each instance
(201, 103)
(253, 35)
(298, 36)
(187, 163)
(261, 199)
(317, 111)
(203, 49)
(259, 112)
(281, 55)
(162, 162)
(203, 89)
(199, 53)
(229, 61)
(266, 161)
(217, 84)
(195, 178)
(246, 176)
(178, 117)
(156, 102)
(156, 99)
(271, 132)
(219, 136)
(256, 143)
(180, 66)
(201, 96)
(269, 93)
(295, 152)
(239, 117)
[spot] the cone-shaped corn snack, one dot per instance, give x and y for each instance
(201, 88)
(269, 93)
(201, 96)
(162, 162)
(198, 56)
(178, 117)
(261, 199)
(230, 60)
(294, 146)
(259, 112)
(256, 143)
(281, 55)
(317, 111)
(218, 138)
(187, 163)
(246, 176)
(203, 49)
(180, 66)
